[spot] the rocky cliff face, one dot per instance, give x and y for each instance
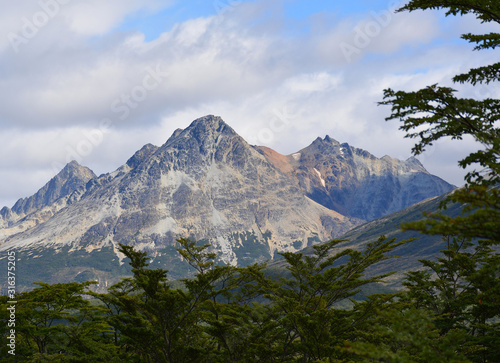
(355, 183)
(52, 197)
(208, 184)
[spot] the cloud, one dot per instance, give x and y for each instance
(96, 17)
(207, 60)
(17, 183)
(76, 17)
(275, 86)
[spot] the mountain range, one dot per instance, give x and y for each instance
(407, 256)
(205, 183)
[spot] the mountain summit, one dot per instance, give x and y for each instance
(355, 183)
(208, 184)
(52, 197)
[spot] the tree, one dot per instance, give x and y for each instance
(436, 112)
(226, 314)
(303, 322)
(404, 334)
(55, 323)
(222, 314)
(460, 290)
(463, 288)
(159, 323)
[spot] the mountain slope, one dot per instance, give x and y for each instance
(204, 183)
(355, 183)
(408, 255)
(52, 197)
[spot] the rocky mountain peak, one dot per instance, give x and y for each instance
(74, 170)
(209, 122)
(205, 141)
(327, 140)
(72, 165)
(209, 184)
(330, 140)
(145, 152)
(415, 163)
(355, 183)
(176, 133)
(209, 128)
(5, 212)
(69, 179)
(326, 145)
(203, 131)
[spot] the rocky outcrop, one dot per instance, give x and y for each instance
(52, 197)
(355, 183)
(72, 177)
(141, 155)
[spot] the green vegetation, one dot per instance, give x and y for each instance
(223, 314)
(50, 266)
(449, 311)
(461, 290)
(251, 248)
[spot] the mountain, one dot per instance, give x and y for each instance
(407, 256)
(355, 183)
(208, 184)
(54, 196)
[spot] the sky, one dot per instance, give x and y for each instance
(94, 81)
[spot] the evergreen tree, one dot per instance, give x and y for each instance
(304, 323)
(56, 323)
(463, 288)
(159, 323)
(436, 112)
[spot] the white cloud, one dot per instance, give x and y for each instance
(273, 88)
(96, 17)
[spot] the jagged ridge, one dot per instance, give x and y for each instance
(355, 183)
(207, 183)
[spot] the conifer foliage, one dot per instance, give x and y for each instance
(462, 288)
(222, 314)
